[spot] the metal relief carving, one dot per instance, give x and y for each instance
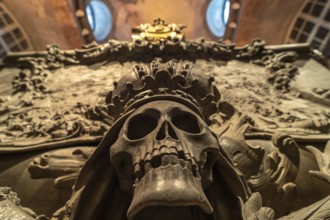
(165, 143)
(62, 165)
(175, 158)
(252, 209)
(323, 162)
(10, 207)
(157, 33)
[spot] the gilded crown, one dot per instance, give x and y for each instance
(164, 81)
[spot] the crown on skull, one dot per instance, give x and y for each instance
(164, 81)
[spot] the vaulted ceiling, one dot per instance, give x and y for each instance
(68, 22)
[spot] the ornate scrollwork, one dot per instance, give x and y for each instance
(11, 208)
(252, 209)
(281, 167)
(246, 158)
(164, 80)
(62, 165)
(164, 122)
(37, 65)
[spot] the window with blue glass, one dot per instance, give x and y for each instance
(100, 19)
(217, 14)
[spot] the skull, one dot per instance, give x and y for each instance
(164, 154)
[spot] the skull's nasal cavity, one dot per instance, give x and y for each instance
(165, 131)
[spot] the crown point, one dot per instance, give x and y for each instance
(195, 81)
(185, 69)
(184, 73)
(154, 68)
(211, 79)
(186, 66)
(139, 70)
(171, 67)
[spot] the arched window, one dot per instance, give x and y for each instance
(312, 25)
(12, 36)
(217, 16)
(94, 18)
(99, 19)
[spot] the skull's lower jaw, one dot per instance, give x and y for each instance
(169, 186)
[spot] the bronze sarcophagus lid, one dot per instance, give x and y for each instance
(165, 128)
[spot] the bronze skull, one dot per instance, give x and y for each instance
(165, 153)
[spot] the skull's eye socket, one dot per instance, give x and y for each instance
(142, 124)
(185, 121)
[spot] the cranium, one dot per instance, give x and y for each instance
(164, 155)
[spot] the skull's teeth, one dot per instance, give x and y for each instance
(191, 159)
(179, 148)
(155, 153)
(138, 172)
(188, 157)
(147, 166)
(182, 163)
(173, 159)
(164, 150)
(188, 165)
(165, 160)
(148, 157)
(164, 156)
(173, 151)
(195, 170)
(169, 159)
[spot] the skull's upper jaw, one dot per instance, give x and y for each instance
(172, 186)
